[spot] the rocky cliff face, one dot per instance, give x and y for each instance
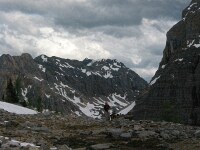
(70, 86)
(174, 92)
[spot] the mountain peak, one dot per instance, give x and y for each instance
(6, 56)
(191, 9)
(70, 86)
(26, 55)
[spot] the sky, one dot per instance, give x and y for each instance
(131, 31)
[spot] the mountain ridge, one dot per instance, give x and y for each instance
(70, 86)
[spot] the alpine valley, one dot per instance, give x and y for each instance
(68, 97)
(69, 86)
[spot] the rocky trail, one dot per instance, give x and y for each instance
(51, 132)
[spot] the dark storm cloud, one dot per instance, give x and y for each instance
(132, 31)
(94, 13)
(118, 12)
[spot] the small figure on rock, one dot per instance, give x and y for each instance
(106, 111)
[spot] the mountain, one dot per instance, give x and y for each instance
(68, 86)
(174, 92)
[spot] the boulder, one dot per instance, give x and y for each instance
(101, 146)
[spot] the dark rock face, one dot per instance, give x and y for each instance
(174, 92)
(70, 86)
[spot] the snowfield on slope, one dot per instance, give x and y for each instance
(127, 109)
(16, 109)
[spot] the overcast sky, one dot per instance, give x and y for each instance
(132, 31)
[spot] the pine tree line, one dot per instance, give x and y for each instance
(13, 93)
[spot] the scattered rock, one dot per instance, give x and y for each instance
(137, 127)
(197, 134)
(175, 133)
(165, 136)
(66, 133)
(44, 147)
(126, 135)
(115, 132)
(40, 129)
(146, 134)
(33, 148)
(101, 146)
(64, 147)
(83, 148)
(86, 133)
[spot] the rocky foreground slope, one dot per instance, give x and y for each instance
(60, 132)
(69, 86)
(174, 92)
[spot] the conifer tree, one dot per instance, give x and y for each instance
(18, 86)
(39, 104)
(11, 95)
(3, 98)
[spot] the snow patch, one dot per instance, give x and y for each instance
(116, 64)
(105, 68)
(88, 73)
(57, 60)
(47, 96)
(108, 75)
(197, 45)
(83, 70)
(16, 109)
(90, 63)
(22, 144)
(77, 100)
(42, 68)
(24, 93)
(163, 66)
(122, 97)
(44, 58)
(154, 81)
(116, 100)
(64, 85)
(178, 60)
(97, 73)
(90, 111)
(127, 109)
(189, 8)
(113, 68)
(190, 43)
(77, 113)
(68, 65)
(53, 148)
(38, 79)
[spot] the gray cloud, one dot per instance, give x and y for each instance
(132, 31)
(93, 13)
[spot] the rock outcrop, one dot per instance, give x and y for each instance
(69, 86)
(174, 92)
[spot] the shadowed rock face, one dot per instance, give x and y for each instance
(71, 86)
(174, 92)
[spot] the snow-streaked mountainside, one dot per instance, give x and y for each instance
(71, 86)
(16, 109)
